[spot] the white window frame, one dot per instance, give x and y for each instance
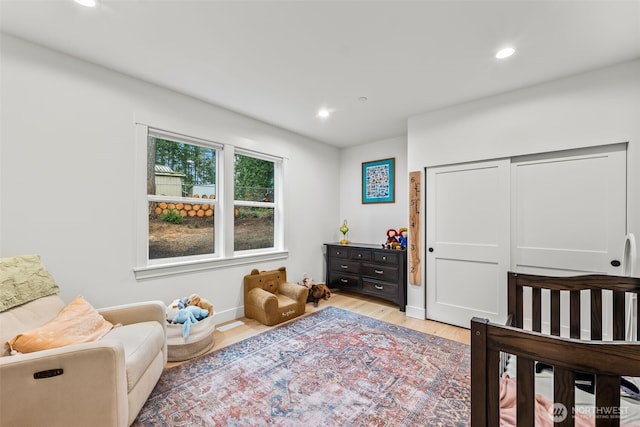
(278, 223)
(224, 255)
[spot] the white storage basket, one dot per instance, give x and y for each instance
(199, 341)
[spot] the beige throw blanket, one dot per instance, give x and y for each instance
(23, 279)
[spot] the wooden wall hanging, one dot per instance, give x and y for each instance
(414, 228)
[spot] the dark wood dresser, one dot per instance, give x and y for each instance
(368, 269)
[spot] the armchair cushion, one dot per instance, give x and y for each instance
(77, 323)
(142, 342)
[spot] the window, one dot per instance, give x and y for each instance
(181, 189)
(206, 204)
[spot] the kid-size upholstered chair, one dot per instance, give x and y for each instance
(270, 299)
(68, 364)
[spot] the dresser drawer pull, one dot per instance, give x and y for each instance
(359, 255)
(344, 280)
(379, 271)
(384, 258)
(344, 266)
(338, 252)
(379, 287)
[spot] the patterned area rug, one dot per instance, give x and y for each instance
(330, 368)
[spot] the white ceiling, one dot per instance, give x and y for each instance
(280, 62)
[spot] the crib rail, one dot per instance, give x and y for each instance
(568, 356)
(595, 284)
(607, 361)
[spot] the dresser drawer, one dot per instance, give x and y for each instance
(337, 252)
(380, 272)
(344, 281)
(360, 254)
(344, 266)
(386, 257)
(386, 290)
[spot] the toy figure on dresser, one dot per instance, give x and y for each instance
(403, 237)
(392, 240)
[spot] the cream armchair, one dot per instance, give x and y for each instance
(100, 383)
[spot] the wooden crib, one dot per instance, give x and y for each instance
(569, 356)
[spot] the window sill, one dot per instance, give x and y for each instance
(162, 270)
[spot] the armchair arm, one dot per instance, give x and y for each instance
(135, 313)
(295, 292)
(83, 384)
(262, 299)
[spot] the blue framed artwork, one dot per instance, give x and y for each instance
(378, 183)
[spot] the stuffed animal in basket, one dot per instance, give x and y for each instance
(172, 309)
(195, 299)
(198, 313)
(187, 318)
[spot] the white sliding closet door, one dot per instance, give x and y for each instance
(467, 241)
(560, 213)
(569, 218)
(569, 211)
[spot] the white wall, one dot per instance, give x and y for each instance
(368, 223)
(68, 126)
(66, 122)
(596, 108)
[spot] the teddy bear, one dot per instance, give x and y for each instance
(196, 300)
(317, 292)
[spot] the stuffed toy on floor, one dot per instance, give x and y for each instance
(316, 291)
(196, 300)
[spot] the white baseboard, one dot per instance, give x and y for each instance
(229, 315)
(416, 312)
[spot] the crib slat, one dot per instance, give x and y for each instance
(519, 303)
(596, 314)
(493, 388)
(555, 312)
(484, 376)
(512, 303)
(638, 316)
(564, 392)
(618, 315)
(525, 392)
(574, 314)
(607, 401)
(536, 308)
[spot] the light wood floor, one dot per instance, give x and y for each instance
(361, 304)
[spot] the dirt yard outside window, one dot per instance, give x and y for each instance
(195, 236)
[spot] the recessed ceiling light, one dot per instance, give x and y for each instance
(324, 113)
(363, 99)
(87, 3)
(505, 53)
